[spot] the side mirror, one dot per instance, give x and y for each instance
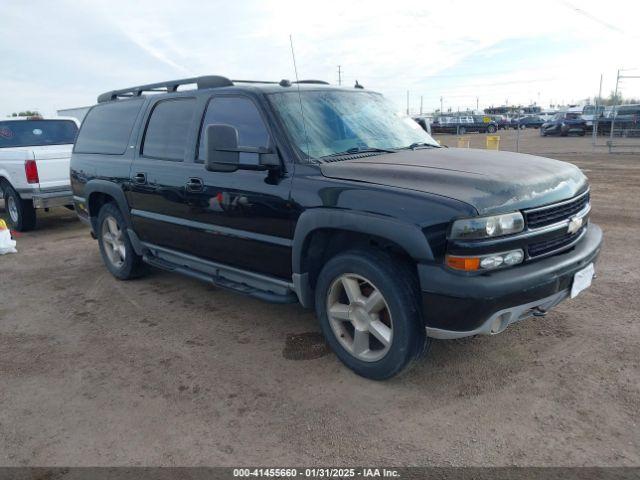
(223, 153)
(221, 148)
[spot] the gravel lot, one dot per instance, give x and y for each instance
(168, 371)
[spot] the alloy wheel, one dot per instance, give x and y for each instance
(12, 206)
(360, 317)
(113, 241)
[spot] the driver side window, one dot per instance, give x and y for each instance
(242, 114)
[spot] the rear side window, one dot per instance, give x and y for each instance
(242, 114)
(168, 129)
(106, 128)
(28, 133)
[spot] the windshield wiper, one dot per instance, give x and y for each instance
(415, 145)
(354, 150)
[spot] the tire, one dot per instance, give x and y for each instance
(462, 131)
(115, 247)
(22, 215)
(396, 316)
(491, 129)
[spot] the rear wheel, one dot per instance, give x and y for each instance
(491, 129)
(462, 131)
(367, 305)
(22, 215)
(115, 247)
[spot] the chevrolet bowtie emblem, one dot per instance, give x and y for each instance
(575, 223)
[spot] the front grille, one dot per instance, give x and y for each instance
(542, 217)
(556, 244)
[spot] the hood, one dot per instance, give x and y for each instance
(491, 181)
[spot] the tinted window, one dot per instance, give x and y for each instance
(168, 129)
(37, 133)
(106, 128)
(242, 114)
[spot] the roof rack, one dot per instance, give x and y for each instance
(208, 81)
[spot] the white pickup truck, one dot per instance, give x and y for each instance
(34, 167)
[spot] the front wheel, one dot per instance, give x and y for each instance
(462, 131)
(491, 129)
(22, 215)
(367, 305)
(115, 247)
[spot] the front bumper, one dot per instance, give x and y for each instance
(458, 305)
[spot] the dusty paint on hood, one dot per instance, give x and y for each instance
(491, 181)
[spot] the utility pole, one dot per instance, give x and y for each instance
(615, 108)
(420, 104)
(339, 74)
(596, 115)
(407, 102)
(441, 105)
(477, 103)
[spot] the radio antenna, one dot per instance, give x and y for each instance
(304, 124)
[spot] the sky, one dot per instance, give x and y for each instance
(64, 53)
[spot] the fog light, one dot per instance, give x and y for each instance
(491, 262)
(513, 258)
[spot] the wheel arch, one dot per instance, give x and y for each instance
(99, 192)
(322, 233)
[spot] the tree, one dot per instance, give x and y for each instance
(26, 113)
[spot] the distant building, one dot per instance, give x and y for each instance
(78, 113)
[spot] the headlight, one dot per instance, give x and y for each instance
(487, 227)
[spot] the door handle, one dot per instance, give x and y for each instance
(140, 178)
(194, 185)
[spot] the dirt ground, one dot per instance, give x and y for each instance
(169, 371)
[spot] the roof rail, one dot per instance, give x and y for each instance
(321, 82)
(208, 81)
(253, 81)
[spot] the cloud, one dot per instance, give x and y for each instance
(459, 49)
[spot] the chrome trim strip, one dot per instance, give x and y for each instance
(555, 226)
(559, 204)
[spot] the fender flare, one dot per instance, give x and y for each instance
(408, 236)
(114, 190)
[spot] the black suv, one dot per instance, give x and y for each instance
(304, 192)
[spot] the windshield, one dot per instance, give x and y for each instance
(33, 133)
(338, 121)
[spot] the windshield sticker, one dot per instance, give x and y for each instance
(37, 131)
(6, 132)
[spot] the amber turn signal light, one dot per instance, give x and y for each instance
(467, 264)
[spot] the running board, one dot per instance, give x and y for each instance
(248, 283)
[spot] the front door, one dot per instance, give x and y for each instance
(242, 218)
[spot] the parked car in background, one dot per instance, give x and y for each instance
(547, 115)
(527, 121)
(463, 124)
(624, 118)
(34, 167)
(563, 124)
(392, 239)
(589, 113)
(501, 121)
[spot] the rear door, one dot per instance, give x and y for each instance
(160, 173)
